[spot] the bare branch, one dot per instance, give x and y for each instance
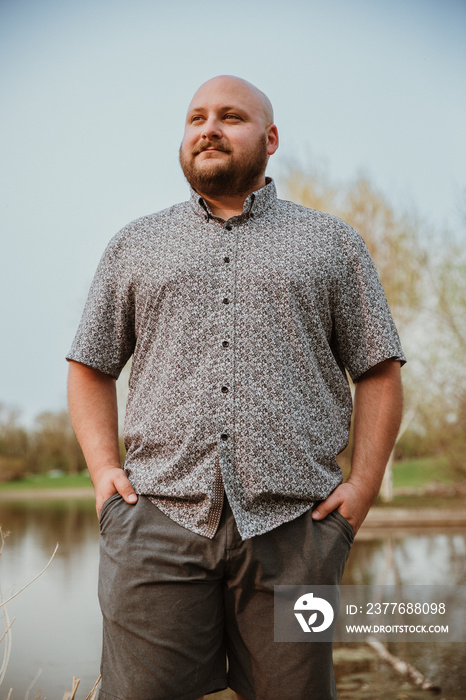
(2, 604)
(32, 684)
(7, 630)
(402, 667)
(91, 694)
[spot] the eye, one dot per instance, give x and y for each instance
(196, 118)
(232, 117)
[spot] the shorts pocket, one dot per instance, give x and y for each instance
(106, 505)
(344, 523)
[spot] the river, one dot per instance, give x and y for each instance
(57, 629)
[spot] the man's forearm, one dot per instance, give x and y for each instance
(377, 416)
(94, 415)
(378, 406)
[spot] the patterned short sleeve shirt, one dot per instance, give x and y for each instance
(240, 333)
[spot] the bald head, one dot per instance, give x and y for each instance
(228, 137)
(239, 89)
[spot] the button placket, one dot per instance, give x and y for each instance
(226, 386)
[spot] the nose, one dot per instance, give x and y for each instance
(212, 129)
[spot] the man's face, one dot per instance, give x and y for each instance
(227, 139)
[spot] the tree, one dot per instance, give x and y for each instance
(55, 445)
(14, 445)
(449, 274)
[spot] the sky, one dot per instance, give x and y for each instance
(94, 95)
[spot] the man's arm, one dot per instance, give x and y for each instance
(377, 416)
(94, 415)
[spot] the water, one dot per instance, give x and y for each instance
(421, 556)
(58, 629)
(57, 626)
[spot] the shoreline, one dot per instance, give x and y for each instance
(378, 517)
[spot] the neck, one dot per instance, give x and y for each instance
(227, 206)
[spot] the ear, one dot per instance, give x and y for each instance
(272, 139)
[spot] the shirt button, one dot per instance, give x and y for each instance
(225, 343)
(228, 227)
(224, 389)
(224, 436)
(226, 259)
(226, 300)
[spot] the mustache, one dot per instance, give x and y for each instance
(208, 144)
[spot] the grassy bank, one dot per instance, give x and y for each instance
(48, 482)
(419, 473)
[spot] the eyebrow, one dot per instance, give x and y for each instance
(223, 108)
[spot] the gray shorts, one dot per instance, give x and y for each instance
(184, 615)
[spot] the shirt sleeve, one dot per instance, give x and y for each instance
(105, 338)
(364, 330)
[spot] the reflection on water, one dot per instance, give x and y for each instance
(412, 557)
(58, 629)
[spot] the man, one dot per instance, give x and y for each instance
(241, 313)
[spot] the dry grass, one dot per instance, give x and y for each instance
(71, 694)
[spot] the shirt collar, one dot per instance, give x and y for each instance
(255, 204)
